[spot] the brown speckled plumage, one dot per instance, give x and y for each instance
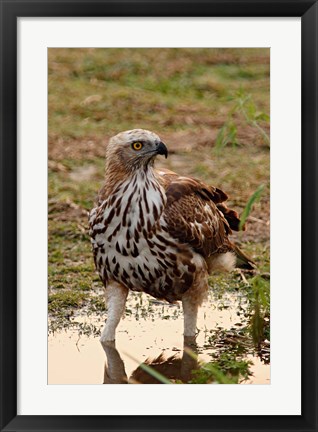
(153, 230)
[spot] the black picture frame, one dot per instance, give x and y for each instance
(10, 11)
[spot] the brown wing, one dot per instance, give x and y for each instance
(166, 177)
(185, 185)
(192, 215)
(231, 216)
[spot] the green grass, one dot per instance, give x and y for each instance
(100, 91)
(227, 369)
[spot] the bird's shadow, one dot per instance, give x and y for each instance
(175, 368)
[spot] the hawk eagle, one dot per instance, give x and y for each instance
(157, 232)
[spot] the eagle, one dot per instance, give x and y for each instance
(157, 232)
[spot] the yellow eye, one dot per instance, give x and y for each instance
(137, 145)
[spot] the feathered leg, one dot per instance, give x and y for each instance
(115, 296)
(190, 314)
(193, 298)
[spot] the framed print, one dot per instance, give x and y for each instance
(224, 101)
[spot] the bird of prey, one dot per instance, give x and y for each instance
(157, 232)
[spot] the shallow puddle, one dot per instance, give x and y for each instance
(155, 336)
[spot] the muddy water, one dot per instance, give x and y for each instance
(155, 336)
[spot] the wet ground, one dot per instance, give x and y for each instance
(153, 336)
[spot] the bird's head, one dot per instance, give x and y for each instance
(134, 149)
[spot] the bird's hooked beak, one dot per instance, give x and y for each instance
(162, 149)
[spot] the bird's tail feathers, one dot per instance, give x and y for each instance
(242, 260)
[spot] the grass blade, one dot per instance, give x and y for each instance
(151, 371)
(247, 210)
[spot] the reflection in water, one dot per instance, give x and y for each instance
(227, 329)
(174, 368)
(114, 372)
